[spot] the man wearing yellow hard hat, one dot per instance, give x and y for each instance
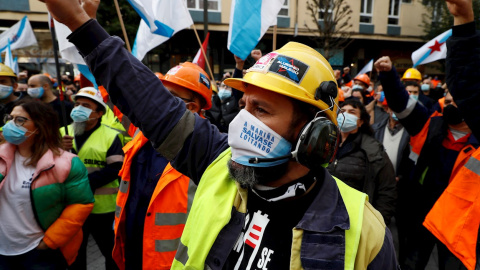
(264, 200)
(8, 96)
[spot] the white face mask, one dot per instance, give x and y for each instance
(5, 91)
(250, 138)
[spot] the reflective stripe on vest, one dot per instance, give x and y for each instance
(217, 193)
(166, 214)
(455, 217)
(94, 156)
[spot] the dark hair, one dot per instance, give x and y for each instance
(302, 112)
(411, 83)
(355, 103)
(48, 128)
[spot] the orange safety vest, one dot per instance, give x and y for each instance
(455, 217)
(166, 215)
(417, 141)
(442, 103)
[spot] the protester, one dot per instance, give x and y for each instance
(40, 87)
(154, 198)
(100, 149)
(376, 107)
(193, 144)
(359, 89)
(225, 103)
(361, 161)
(8, 95)
(22, 86)
(44, 195)
(454, 219)
(438, 142)
(395, 139)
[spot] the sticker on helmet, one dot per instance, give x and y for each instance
(204, 80)
(289, 68)
(174, 70)
(263, 63)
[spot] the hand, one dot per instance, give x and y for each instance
(346, 70)
(256, 54)
(69, 92)
(42, 246)
(67, 142)
(461, 10)
(239, 62)
(91, 7)
(69, 12)
(383, 64)
(347, 90)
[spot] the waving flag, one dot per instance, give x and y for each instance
(69, 52)
(367, 68)
(161, 19)
(20, 35)
(249, 20)
(199, 58)
(9, 58)
(434, 50)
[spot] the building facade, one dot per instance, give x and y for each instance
(378, 27)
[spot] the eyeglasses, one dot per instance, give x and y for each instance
(17, 120)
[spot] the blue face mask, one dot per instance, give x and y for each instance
(382, 96)
(356, 86)
(414, 97)
(13, 134)
(5, 91)
(425, 87)
(80, 114)
(347, 122)
(224, 94)
(36, 92)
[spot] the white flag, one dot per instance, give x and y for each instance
(9, 58)
(20, 35)
(249, 20)
(434, 50)
(161, 19)
(367, 68)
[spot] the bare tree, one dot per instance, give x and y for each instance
(332, 19)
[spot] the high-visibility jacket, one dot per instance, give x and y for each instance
(166, 215)
(217, 193)
(455, 217)
(94, 156)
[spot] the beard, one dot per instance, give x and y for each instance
(248, 176)
(79, 128)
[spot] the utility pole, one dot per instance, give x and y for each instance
(205, 18)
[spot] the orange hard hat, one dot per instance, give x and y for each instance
(192, 77)
(159, 75)
(363, 78)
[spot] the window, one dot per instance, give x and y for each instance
(213, 5)
(17, 5)
(393, 12)
(284, 10)
(326, 11)
(366, 11)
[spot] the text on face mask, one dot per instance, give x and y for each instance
(257, 137)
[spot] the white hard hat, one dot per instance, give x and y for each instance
(91, 93)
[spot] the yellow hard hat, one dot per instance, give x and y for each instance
(412, 74)
(6, 71)
(296, 71)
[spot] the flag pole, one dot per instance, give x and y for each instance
(274, 46)
(120, 18)
(59, 77)
(203, 52)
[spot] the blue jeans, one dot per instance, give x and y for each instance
(35, 259)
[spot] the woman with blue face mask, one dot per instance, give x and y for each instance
(361, 161)
(45, 195)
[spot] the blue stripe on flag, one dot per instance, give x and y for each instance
(19, 33)
(86, 72)
(246, 25)
(162, 29)
(427, 54)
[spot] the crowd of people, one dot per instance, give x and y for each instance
(286, 164)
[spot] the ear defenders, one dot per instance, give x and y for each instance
(318, 141)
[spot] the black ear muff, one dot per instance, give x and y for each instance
(326, 91)
(317, 143)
